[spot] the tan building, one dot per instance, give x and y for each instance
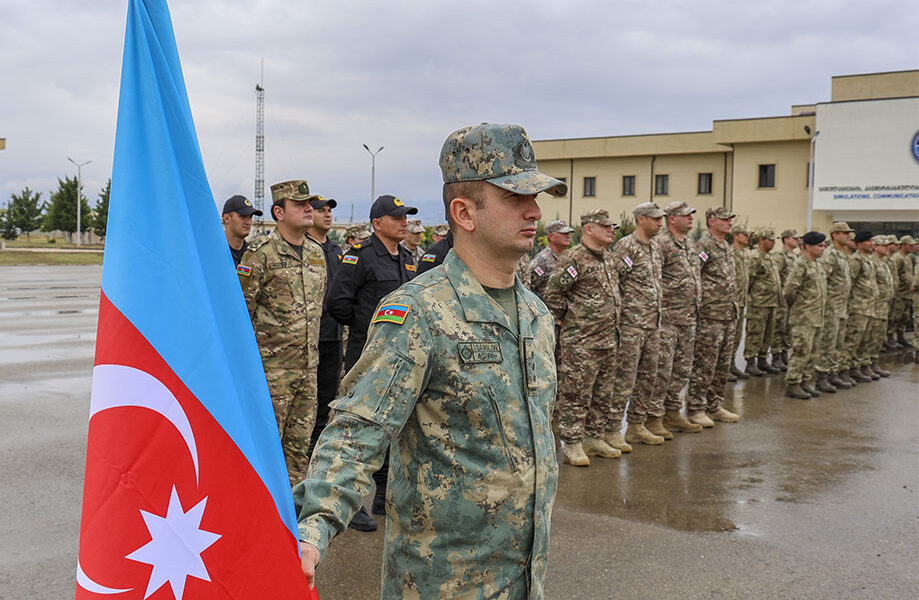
(758, 168)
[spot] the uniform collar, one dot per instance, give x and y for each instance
(283, 246)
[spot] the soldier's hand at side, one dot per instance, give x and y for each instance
(309, 558)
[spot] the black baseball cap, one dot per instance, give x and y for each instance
(812, 238)
(862, 235)
(240, 204)
(392, 206)
(320, 202)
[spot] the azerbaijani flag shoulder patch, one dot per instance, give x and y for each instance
(243, 270)
(391, 313)
(349, 259)
(429, 258)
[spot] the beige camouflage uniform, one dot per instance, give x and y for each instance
(830, 357)
(862, 301)
(742, 282)
(539, 269)
(900, 315)
(805, 295)
(764, 292)
(784, 259)
(284, 294)
(877, 326)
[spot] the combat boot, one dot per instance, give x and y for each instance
(838, 382)
(675, 421)
(573, 454)
(615, 439)
(778, 363)
(752, 369)
(882, 372)
(738, 373)
(856, 374)
(785, 356)
(808, 387)
(731, 377)
(724, 415)
(847, 377)
(890, 344)
(868, 372)
(793, 390)
(595, 447)
(637, 433)
(700, 418)
(764, 365)
(901, 339)
(362, 521)
(656, 426)
(824, 385)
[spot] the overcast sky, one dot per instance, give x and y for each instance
(404, 74)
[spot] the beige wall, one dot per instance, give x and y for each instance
(897, 84)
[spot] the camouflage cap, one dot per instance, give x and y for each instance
(892, 239)
(648, 209)
(357, 231)
(908, 239)
(558, 227)
(841, 227)
(880, 240)
(415, 226)
(718, 212)
(764, 234)
(499, 154)
(789, 233)
(678, 209)
(740, 228)
(295, 189)
(598, 216)
(441, 229)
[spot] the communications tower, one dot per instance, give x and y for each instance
(259, 195)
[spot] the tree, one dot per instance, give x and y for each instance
(25, 211)
(7, 230)
(62, 208)
(100, 211)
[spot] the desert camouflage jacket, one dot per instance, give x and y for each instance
(718, 275)
(887, 285)
(763, 280)
(838, 281)
(680, 286)
(539, 269)
(741, 275)
(639, 269)
(805, 292)
(864, 293)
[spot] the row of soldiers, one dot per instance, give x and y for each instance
(639, 321)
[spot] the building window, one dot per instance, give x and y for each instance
(590, 186)
(661, 185)
(705, 183)
(628, 185)
(767, 176)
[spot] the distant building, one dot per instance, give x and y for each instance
(864, 144)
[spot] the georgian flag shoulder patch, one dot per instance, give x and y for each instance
(703, 255)
(539, 271)
(627, 261)
(572, 271)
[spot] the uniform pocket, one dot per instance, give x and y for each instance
(507, 448)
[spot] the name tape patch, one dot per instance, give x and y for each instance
(409, 267)
(480, 352)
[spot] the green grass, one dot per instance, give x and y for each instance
(41, 241)
(14, 257)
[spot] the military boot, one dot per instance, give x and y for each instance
(752, 369)
(675, 421)
(573, 454)
(764, 365)
(785, 357)
(890, 343)
(882, 372)
(856, 374)
(615, 439)
(700, 418)
(595, 447)
(637, 433)
(738, 373)
(808, 387)
(847, 377)
(901, 339)
(731, 377)
(778, 363)
(838, 382)
(379, 502)
(793, 390)
(724, 415)
(824, 385)
(656, 426)
(868, 372)
(361, 521)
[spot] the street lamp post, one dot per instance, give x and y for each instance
(373, 172)
(79, 190)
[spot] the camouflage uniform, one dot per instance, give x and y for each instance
(862, 300)
(742, 281)
(639, 268)
(538, 271)
(583, 293)
(521, 272)
(680, 297)
(830, 358)
(805, 294)
(465, 400)
(781, 339)
(715, 332)
(877, 327)
(284, 294)
(905, 278)
(764, 292)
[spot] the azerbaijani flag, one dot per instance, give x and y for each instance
(391, 313)
(186, 492)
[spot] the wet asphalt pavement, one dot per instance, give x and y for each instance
(801, 499)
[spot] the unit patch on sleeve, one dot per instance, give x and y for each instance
(703, 256)
(244, 270)
(409, 267)
(627, 261)
(539, 271)
(429, 258)
(572, 271)
(392, 313)
(349, 259)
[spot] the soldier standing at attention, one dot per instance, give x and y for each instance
(558, 234)
(831, 370)
(583, 294)
(457, 378)
(717, 318)
(763, 296)
(237, 223)
(805, 295)
(862, 300)
(283, 276)
(739, 247)
(369, 271)
(893, 248)
(904, 266)
(784, 258)
(412, 241)
(679, 311)
(638, 263)
(877, 327)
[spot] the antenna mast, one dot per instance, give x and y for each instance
(259, 196)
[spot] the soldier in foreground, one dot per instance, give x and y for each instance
(831, 372)
(283, 276)
(877, 326)
(458, 379)
(583, 293)
(558, 234)
(679, 310)
(862, 300)
(805, 295)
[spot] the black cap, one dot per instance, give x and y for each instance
(319, 202)
(862, 235)
(392, 206)
(812, 238)
(240, 204)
